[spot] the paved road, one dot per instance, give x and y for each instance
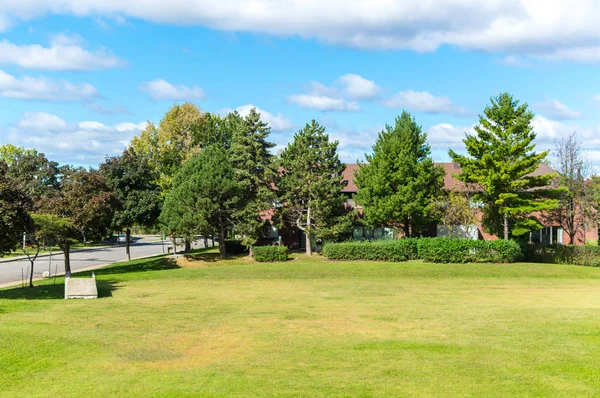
(142, 247)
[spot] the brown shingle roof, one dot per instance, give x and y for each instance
(450, 182)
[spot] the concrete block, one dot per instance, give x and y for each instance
(81, 287)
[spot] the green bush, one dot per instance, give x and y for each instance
(264, 254)
(383, 250)
(563, 254)
(234, 247)
(452, 250)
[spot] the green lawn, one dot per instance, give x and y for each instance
(310, 328)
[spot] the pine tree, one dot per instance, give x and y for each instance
(310, 182)
(253, 161)
(501, 160)
(399, 184)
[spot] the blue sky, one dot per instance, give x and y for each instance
(78, 79)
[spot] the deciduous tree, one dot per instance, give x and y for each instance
(14, 207)
(133, 182)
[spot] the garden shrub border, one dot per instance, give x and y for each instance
(264, 254)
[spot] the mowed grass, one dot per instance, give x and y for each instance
(308, 327)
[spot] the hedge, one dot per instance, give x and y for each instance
(264, 254)
(383, 250)
(563, 254)
(452, 250)
(233, 247)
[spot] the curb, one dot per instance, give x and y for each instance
(58, 252)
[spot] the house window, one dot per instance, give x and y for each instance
(274, 231)
(547, 236)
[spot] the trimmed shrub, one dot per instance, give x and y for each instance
(452, 250)
(383, 250)
(234, 247)
(563, 254)
(264, 254)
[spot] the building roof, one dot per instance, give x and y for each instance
(450, 183)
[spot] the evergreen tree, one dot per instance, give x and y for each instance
(14, 207)
(310, 182)
(253, 162)
(501, 160)
(206, 196)
(399, 184)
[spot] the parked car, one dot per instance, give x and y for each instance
(122, 238)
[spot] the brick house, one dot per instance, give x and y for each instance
(550, 233)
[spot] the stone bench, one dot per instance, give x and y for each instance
(84, 288)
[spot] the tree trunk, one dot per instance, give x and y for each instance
(307, 232)
(188, 246)
(205, 241)
(127, 239)
(505, 226)
(251, 251)
(66, 249)
(222, 249)
(406, 228)
(31, 274)
(212, 238)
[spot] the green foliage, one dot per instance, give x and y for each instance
(563, 254)
(399, 184)
(175, 140)
(385, 250)
(311, 181)
(205, 197)
(454, 208)
(501, 160)
(14, 217)
(452, 250)
(254, 165)
(133, 181)
(264, 254)
(31, 172)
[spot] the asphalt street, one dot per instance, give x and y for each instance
(10, 272)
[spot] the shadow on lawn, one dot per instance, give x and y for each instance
(210, 257)
(53, 292)
(150, 264)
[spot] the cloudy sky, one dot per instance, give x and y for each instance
(79, 78)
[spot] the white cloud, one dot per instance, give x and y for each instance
(446, 136)
(85, 143)
(44, 89)
(557, 110)
(323, 103)
(64, 53)
(525, 28)
(358, 87)
(160, 89)
(422, 101)
(276, 122)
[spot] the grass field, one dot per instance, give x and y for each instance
(307, 327)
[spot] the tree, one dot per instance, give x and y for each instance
(14, 207)
(455, 209)
(169, 145)
(32, 172)
(254, 166)
(133, 182)
(399, 184)
(310, 181)
(502, 161)
(577, 198)
(45, 227)
(90, 200)
(206, 195)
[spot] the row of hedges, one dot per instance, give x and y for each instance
(563, 254)
(264, 254)
(384, 250)
(448, 250)
(437, 250)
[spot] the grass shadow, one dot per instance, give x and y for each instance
(53, 291)
(149, 264)
(211, 257)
